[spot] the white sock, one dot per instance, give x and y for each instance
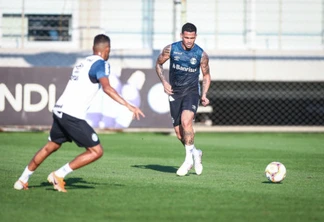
(189, 149)
(63, 171)
(25, 175)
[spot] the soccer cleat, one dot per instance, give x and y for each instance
(57, 182)
(198, 162)
(19, 185)
(184, 169)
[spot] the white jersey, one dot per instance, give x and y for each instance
(82, 87)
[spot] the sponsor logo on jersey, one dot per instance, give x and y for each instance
(58, 106)
(182, 68)
(194, 107)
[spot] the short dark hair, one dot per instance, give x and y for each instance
(101, 38)
(188, 27)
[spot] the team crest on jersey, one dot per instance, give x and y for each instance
(193, 61)
(94, 137)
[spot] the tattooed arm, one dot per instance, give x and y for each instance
(163, 57)
(204, 65)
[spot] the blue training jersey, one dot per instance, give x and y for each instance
(184, 69)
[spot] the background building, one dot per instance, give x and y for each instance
(266, 57)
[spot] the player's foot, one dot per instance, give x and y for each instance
(198, 162)
(57, 182)
(184, 169)
(19, 185)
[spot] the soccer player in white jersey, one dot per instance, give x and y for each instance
(69, 116)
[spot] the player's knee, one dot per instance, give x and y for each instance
(186, 124)
(51, 147)
(100, 153)
(97, 151)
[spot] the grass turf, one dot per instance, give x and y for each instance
(135, 179)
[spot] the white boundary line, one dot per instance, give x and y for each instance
(297, 129)
(237, 129)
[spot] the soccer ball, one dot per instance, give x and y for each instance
(275, 172)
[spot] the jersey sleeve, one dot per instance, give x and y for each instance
(99, 69)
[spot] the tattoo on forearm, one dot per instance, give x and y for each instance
(160, 72)
(206, 73)
(164, 56)
(205, 85)
(206, 69)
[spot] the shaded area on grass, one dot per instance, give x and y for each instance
(74, 183)
(157, 167)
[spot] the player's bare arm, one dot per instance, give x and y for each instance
(204, 65)
(112, 93)
(162, 58)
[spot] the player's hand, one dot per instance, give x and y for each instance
(167, 88)
(204, 101)
(136, 112)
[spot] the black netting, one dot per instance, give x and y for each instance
(49, 27)
(266, 103)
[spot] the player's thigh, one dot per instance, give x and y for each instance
(80, 132)
(190, 105)
(187, 116)
(57, 133)
(175, 111)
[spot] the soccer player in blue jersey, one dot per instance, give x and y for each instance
(69, 114)
(183, 88)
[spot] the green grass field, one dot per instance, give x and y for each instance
(135, 180)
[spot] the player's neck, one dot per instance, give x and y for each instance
(185, 48)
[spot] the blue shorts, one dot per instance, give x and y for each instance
(187, 102)
(68, 128)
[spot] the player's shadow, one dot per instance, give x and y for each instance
(74, 183)
(272, 183)
(157, 167)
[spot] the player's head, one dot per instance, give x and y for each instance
(189, 27)
(188, 35)
(101, 46)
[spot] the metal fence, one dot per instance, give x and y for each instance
(245, 103)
